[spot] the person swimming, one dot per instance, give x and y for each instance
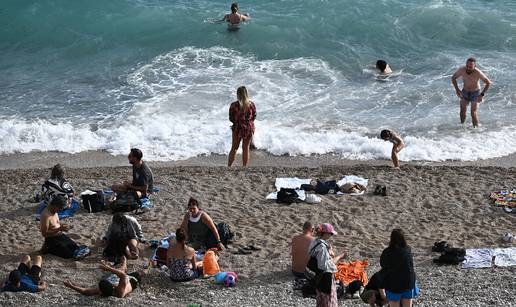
(234, 19)
(383, 67)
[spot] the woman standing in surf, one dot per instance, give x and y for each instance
(242, 114)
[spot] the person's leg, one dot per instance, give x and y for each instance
(394, 157)
(235, 143)
(118, 188)
(474, 115)
(406, 302)
(463, 109)
(245, 151)
(35, 269)
(26, 260)
(132, 249)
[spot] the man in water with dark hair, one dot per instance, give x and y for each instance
(143, 179)
(383, 67)
(118, 283)
(471, 77)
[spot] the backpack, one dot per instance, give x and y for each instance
(50, 189)
(312, 261)
(94, 202)
(225, 233)
(287, 196)
(328, 187)
(125, 202)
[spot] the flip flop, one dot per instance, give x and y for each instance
(251, 247)
(242, 251)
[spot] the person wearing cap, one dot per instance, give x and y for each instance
(299, 250)
(27, 277)
(320, 249)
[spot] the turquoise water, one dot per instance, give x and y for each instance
(107, 75)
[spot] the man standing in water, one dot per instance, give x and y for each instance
(471, 77)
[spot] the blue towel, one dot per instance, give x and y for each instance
(68, 212)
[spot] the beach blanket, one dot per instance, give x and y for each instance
(353, 179)
(505, 199)
(68, 212)
(290, 183)
(348, 272)
(477, 258)
(505, 257)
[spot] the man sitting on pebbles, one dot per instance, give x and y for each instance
(27, 277)
(118, 283)
(299, 250)
(56, 241)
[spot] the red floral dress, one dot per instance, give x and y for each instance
(243, 121)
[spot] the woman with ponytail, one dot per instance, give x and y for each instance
(242, 114)
(181, 259)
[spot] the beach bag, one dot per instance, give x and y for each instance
(50, 189)
(93, 202)
(125, 202)
(287, 196)
(210, 265)
(328, 187)
(451, 256)
(225, 233)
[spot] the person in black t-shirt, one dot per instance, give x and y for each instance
(143, 180)
(373, 293)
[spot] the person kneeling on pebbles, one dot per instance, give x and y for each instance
(27, 277)
(398, 145)
(117, 283)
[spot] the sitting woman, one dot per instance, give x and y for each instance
(199, 228)
(181, 259)
(398, 271)
(122, 237)
(57, 185)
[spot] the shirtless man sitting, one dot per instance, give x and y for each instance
(234, 19)
(471, 77)
(56, 242)
(299, 251)
(118, 283)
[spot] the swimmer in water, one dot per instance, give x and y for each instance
(234, 19)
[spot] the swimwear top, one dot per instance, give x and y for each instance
(198, 232)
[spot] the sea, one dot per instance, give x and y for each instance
(160, 75)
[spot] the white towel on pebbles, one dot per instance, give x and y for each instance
(353, 179)
(290, 183)
(477, 258)
(505, 257)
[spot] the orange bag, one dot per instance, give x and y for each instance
(209, 264)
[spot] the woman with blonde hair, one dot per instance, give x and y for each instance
(242, 114)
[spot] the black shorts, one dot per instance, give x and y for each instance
(34, 272)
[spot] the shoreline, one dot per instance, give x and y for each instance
(259, 158)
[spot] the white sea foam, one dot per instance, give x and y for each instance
(177, 107)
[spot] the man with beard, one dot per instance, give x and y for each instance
(471, 77)
(142, 183)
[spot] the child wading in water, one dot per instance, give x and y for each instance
(398, 145)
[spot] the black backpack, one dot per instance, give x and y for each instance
(50, 189)
(225, 233)
(451, 256)
(94, 202)
(287, 196)
(328, 187)
(125, 202)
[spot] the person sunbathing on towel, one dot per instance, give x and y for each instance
(27, 277)
(201, 232)
(117, 283)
